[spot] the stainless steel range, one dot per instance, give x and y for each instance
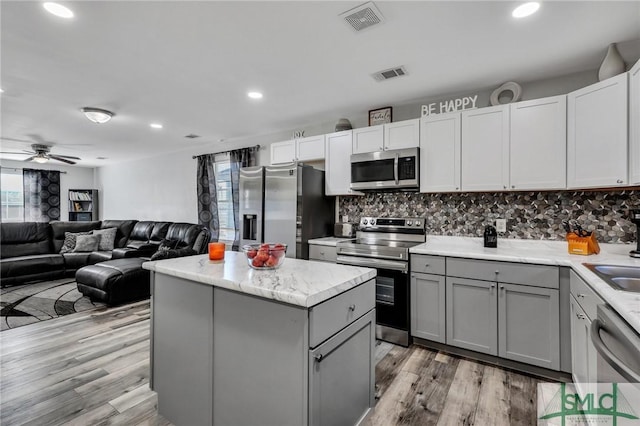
(383, 244)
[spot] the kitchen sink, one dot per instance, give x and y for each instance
(625, 278)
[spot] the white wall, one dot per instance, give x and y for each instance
(74, 178)
(163, 187)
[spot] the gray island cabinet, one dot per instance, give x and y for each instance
(235, 346)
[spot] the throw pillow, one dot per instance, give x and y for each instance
(86, 243)
(107, 238)
(172, 253)
(168, 245)
(70, 241)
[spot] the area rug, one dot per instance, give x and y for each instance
(29, 303)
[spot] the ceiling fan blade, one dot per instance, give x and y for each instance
(67, 156)
(29, 159)
(55, 157)
(16, 153)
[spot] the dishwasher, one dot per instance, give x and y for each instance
(617, 346)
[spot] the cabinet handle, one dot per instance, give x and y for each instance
(505, 186)
(497, 272)
(457, 188)
(581, 296)
(318, 357)
(619, 181)
(426, 265)
(352, 308)
(501, 287)
(580, 316)
(493, 285)
(513, 187)
(321, 253)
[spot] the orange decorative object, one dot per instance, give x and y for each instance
(216, 251)
(583, 245)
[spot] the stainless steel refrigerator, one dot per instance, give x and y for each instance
(284, 204)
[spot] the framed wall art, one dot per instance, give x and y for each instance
(380, 116)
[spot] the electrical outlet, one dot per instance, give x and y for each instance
(501, 225)
(345, 218)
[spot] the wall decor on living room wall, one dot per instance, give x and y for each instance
(530, 215)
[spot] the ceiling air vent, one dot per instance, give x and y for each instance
(192, 136)
(390, 73)
(363, 16)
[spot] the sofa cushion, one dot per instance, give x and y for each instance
(73, 261)
(159, 231)
(58, 229)
(23, 239)
(100, 256)
(107, 238)
(172, 253)
(124, 230)
(70, 239)
(31, 265)
(141, 231)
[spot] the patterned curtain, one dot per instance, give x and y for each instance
(245, 157)
(41, 195)
(208, 195)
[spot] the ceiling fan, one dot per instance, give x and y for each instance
(40, 154)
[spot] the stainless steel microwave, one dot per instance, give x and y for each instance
(386, 170)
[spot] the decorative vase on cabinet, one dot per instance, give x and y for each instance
(612, 64)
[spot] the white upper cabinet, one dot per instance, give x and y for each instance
(402, 134)
(485, 149)
(440, 153)
(337, 163)
(302, 149)
(597, 134)
(538, 144)
(634, 124)
(383, 137)
(283, 152)
(368, 139)
(310, 148)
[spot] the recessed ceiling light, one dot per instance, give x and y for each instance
(155, 125)
(255, 95)
(525, 9)
(58, 10)
(1, 91)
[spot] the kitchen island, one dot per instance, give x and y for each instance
(233, 345)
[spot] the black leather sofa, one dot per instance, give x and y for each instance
(30, 251)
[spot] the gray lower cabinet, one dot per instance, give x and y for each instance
(220, 357)
(428, 316)
(528, 325)
(512, 312)
(337, 365)
(472, 315)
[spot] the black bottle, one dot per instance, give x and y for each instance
(490, 236)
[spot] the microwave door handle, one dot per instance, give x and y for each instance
(395, 168)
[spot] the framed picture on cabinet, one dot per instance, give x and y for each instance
(380, 116)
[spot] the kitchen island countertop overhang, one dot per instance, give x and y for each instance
(297, 282)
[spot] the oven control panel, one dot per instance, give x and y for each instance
(396, 224)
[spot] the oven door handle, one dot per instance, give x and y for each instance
(374, 263)
(367, 253)
(609, 357)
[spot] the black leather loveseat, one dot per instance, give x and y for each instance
(30, 251)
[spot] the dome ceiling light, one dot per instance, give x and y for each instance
(58, 10)
(525, 9)
(97, 115)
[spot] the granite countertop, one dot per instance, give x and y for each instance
(328, 241)
(627, 304)
(297, 282)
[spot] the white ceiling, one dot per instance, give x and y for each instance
(190, 64)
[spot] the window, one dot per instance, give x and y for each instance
(11, 196)
(225, 200)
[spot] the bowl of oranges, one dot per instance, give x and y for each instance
(265, 256)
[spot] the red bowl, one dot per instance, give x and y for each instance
(265, 256)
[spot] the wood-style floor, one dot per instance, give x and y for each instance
(92, 368)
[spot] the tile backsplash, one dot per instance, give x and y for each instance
(530, 215)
